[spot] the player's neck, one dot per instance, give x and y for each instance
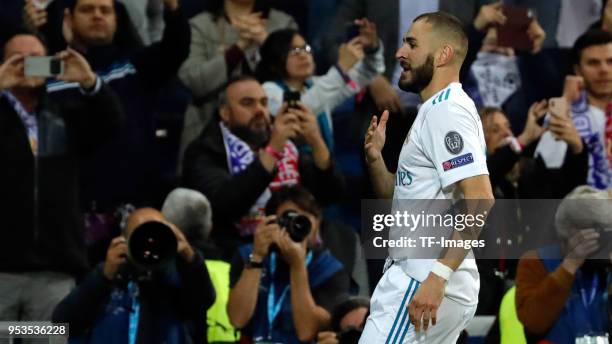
(438, 83)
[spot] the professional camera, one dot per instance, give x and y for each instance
(151, 247)
(298, 226)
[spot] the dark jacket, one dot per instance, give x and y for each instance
(172, 307)
(127, 169)
(231, 196)
(39, 203)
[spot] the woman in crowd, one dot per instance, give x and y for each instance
(287, 65)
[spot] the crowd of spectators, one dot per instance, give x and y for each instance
(254, 112)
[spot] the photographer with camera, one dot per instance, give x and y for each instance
(284, 286)
(153, 288)
(561, 290)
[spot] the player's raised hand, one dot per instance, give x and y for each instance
(375, 137)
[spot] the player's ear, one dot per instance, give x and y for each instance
(445, 55)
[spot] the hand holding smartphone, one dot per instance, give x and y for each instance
(558, 106)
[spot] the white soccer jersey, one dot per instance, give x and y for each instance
(445, 145)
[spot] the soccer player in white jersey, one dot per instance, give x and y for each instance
(443, 157)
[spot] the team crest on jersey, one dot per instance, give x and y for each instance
(453, 142)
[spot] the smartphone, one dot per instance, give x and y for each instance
(513, 34)
(292, 98)
(352, 31)
(43, 66)
(558, 106)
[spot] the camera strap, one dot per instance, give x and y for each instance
(134, 312)
(274, 308)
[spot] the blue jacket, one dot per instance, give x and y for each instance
(169, 309)
(321, 267)
(575, 320)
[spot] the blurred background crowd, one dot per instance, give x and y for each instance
(237, 126)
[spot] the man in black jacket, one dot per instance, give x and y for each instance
(127, 169)
(238, 161)
(42, 142)
(165, 305)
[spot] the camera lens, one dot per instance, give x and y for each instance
(152, 245)
(298, 226)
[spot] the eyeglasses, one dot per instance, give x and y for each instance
(303, 49)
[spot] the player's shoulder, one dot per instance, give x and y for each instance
(451, 101)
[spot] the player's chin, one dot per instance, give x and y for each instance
(406, 73)
(406, 84)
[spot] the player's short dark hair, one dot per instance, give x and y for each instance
(588, 39)
(449, 25)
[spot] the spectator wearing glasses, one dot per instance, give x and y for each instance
(287, 65)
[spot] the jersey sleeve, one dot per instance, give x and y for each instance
(453, 140)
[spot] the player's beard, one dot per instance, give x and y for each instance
(421, 77)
